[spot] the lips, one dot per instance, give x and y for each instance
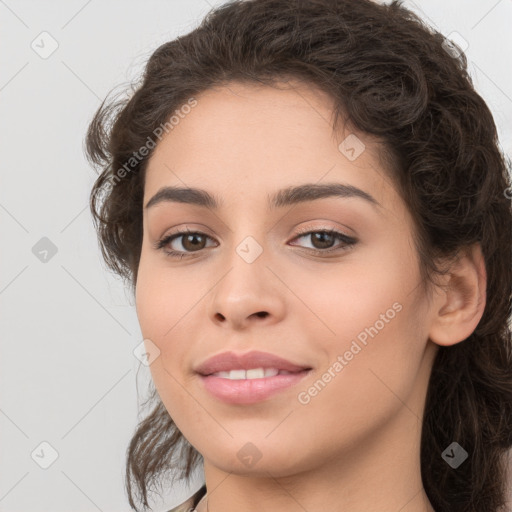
(227, 361)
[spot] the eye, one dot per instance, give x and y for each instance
(322, 240)
(190, 241)
(194, 241)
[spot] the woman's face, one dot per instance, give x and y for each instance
(352, 308)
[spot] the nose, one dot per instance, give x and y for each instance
(247, 293)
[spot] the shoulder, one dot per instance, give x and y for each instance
(190, 504)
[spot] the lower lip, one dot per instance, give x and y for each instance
(250, 391)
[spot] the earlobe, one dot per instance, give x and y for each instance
(459, 305)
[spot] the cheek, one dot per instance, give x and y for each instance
(366, 314)
(345, 299)
(163, 298)
(369, 375)
(164, 303)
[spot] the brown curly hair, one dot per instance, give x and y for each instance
(391, 75)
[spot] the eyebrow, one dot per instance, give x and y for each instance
(284, 197)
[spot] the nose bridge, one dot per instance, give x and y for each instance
(248, 289)
(248, 245)
(246, 262)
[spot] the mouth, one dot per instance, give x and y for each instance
(249, 378)
(253, 373)
(246, 387)
(255, 364)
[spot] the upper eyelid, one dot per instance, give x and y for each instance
(301, 232)
(206, 231)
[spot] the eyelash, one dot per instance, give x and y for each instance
(348, 242)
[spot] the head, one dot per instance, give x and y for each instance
(416, 291)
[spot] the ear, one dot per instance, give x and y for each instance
(459, 305)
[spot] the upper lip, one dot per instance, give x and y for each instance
(227, 361)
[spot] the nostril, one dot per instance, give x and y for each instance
(262, 314)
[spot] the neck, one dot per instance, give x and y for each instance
(384, 473)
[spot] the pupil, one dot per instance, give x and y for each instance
(193, 244)
(321, 237)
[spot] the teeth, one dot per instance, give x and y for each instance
(253, 373)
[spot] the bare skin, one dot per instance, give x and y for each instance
(354, 445)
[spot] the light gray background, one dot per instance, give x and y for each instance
(68, 376)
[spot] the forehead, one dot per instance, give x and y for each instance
(246, 140)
